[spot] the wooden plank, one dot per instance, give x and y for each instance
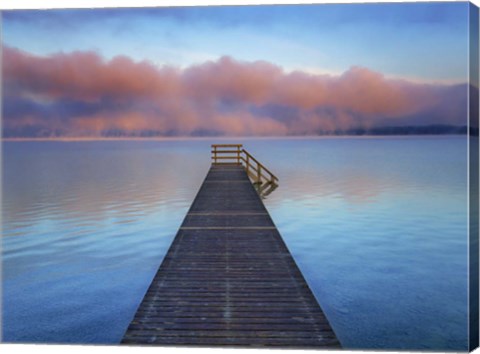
(228, 278)
(220, 320)
(233, 341)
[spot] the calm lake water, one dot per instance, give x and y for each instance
(378, 227)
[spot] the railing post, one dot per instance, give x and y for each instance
(259, 175)
(238, 154)
(215, 154)
(248, 163)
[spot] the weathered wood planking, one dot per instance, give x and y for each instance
(228, 279)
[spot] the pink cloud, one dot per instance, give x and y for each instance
(80, 93)
(85, 76)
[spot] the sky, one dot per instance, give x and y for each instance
(233, 70)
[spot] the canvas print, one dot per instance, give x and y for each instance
(261, 176)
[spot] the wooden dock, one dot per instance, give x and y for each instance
(228, 278)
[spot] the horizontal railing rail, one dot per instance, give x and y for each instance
(229, 154)
(235, 154)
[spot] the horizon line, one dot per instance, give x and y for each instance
(180, 138)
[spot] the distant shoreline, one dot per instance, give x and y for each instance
(193, 138)
(427, 130)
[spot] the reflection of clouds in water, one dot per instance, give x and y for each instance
(76, 183)
(311, 188)
(361, 170)
(125, 180)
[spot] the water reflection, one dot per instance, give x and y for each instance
(378, 227)
(95, 182)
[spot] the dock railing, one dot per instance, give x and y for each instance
(226, 154)
(235, 154)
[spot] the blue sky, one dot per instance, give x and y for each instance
(416, 41)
